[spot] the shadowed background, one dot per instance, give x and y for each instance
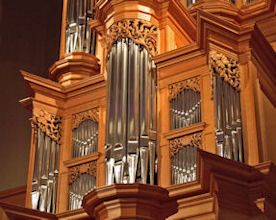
(29, 40)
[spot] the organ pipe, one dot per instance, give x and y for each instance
(131, 114)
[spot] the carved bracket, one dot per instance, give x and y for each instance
(92, 114)
(48, 123)
(75, 172)
(176, 88)
(224, 67)
(139, 31)
(178, 143)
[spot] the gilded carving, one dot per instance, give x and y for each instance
(224, 67)
(48, 123)
(92, 114)
(139, 31)
(177, 144)
(176, 88)
(75, 172)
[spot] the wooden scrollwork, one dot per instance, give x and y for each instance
(75, 172)
(176, 88)
(139, 31)
(177, 144)
(92, 114)
(48, 123)
(224, 67)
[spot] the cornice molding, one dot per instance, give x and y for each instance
(265, 59)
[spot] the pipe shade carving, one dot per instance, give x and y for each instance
(92, 114)
(225, 67)
(49, 123)
(139, 31)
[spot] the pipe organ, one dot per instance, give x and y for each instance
(45, 176)
(227, 106)
(109, 110)
(79, 36)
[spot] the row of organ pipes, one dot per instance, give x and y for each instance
(185, 109)
(183, 165)
(228, 120)
(79, 36)
(131, 114)
(79, 188)
(45, 175)
(85, 138)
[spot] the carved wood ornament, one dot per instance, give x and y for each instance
(139, 31)
(75, 172)
(176, 88)
(92, 114)
(224, 67)
(48, 123)
(177, 144)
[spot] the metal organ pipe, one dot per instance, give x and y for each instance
(131, 114)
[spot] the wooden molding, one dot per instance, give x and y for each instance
(81, 160)
(14, 196)
(129, 201)
(74, 67)
(265, 59)
(180, 132)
